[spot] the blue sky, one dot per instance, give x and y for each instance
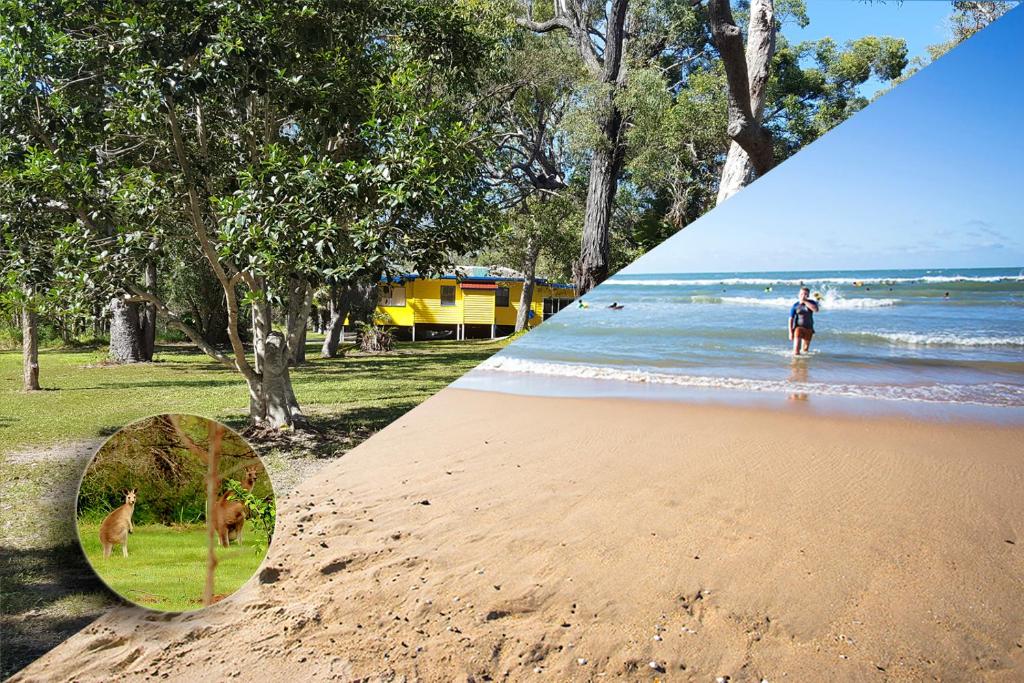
(928, 176)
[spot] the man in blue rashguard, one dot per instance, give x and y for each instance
(801, 321)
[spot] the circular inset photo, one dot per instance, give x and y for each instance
(175, 512)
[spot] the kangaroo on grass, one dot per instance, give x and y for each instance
(230, 514)
(117, 525)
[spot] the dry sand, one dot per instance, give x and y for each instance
(490, 537)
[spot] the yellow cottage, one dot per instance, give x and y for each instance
(467, 305)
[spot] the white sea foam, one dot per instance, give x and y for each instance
(705, 282)
(829, 302)
(990, 394)
(941, 339)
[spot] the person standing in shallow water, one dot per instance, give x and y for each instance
(801, 321)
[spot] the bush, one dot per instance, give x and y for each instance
(168, 478)
(375, 339)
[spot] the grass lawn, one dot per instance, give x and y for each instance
(84, 398)
(166, 566)
(46, 438)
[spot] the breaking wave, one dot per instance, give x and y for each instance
(938, 339)
(988, 394)
(706, 282)
(828, 303)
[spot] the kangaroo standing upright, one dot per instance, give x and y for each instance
(230, 514)
(117, 525)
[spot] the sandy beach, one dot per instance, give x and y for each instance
(494, 537)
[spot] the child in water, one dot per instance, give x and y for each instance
(801, 321)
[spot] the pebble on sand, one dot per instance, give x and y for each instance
(581, 661)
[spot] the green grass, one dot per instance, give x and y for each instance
(84, 398)
(166, 566)
(48, 591)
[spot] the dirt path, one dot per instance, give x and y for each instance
(48, 590)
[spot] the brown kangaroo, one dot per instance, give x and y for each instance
(230, 514)
(117, 525)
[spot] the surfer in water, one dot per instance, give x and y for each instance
(801, 321)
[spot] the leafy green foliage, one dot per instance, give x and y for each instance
(815, 85)
(148, 457)
(374, 337)
(967, 18)
(260, 511)
(551, 221)
(313, 140)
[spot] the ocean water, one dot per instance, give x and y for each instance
(947, 342)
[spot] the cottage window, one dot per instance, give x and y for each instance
(447, 295)
(501, 297)
(393, 296)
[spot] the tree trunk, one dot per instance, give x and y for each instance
(272, 401)
(125, 337)
(147, 318)
(66, 330)
(261, 326)
(215, 434)
(363, 302)
(97, 321)
(300, 300)
(595, 247)
(737, 173)
(751, 153)
(298, 352)
(356, 301)
(606, 164)
(30, 342)
(606, 62)
(339, 311)
(529, 280)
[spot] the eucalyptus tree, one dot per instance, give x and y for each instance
(706, 97)
(969, 17)
(598, 32)
(534, 90)
(770, 90)
(289, 144)
(747, 72)
(682, 157)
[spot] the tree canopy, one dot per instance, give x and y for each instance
(230, 165)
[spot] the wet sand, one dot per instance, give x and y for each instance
(496, 537)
